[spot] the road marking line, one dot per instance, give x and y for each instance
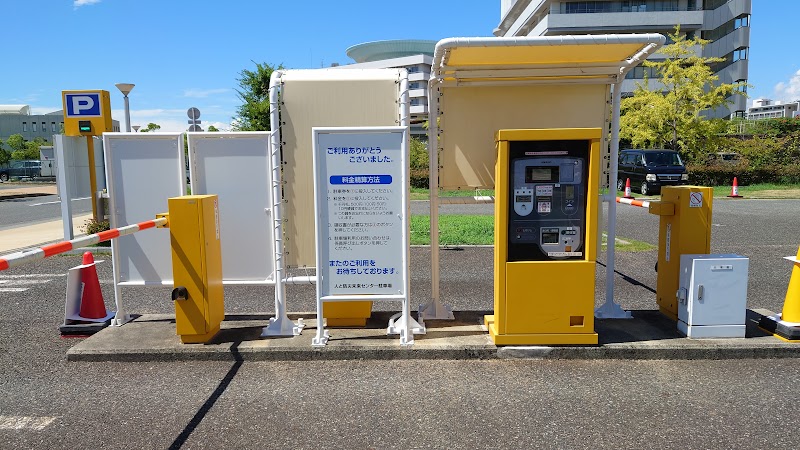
(25, 282)
(33, 275)
(58, 201)
(13, 289)
(25, 422)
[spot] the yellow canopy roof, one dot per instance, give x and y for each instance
(589, 58)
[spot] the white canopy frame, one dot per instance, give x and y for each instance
(280, 324)
(516, 71)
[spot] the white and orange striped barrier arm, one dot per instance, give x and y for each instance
(33, 254)
(628, 201)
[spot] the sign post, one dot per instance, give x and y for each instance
(88, 113)
(194, 119)
(362, 225)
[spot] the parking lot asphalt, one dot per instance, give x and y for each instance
(49, 402)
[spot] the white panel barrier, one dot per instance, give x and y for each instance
(237, 168)
(143, 170)
(72, 176)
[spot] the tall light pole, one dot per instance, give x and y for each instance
(126, 88)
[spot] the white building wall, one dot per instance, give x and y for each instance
(544, 18)
(419, 72)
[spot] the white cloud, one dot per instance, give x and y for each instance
(788, 91)
(202, 93)
(78, 3)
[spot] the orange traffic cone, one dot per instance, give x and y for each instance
(92, 305)
(628, 189)
(735, 189)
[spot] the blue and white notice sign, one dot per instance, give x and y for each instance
(361, 210)
(84, 104)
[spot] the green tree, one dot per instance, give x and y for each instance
(673, 116)
(5, 155)
(16, 143)
(29, 150)
(253, 114)
(212, 128)
(150, 127)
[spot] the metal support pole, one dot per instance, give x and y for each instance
(610, 309)
(92, 176)
(434, 310)
(127, 114)
(280, 325)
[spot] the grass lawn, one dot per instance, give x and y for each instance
(424, 194)
(479, 230)
(766, 190)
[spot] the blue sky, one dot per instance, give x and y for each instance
(183, 53)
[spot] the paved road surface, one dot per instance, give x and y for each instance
(46, 402)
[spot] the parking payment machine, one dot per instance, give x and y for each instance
(546, 187)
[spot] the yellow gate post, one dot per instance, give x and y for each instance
(684, 228)
(196, 266)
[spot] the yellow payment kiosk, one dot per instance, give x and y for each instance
(546, 200)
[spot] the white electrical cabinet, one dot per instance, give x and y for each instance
(712, 296)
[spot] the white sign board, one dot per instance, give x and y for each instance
(696, 200)
(362, 218)
(237, 168)
(361, 210)
(143, 170)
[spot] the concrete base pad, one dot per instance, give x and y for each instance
(780, 329)
(648, 335)
(82, 328)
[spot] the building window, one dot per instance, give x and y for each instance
(413, 69)
(639, 72)
(53, 128)
(33, 127)
(714, 4)
(24, 126)
(740, 53)
(727, 28)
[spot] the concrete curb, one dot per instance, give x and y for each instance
(648, 336)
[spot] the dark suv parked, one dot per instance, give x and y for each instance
(650, 169)
(21, 169)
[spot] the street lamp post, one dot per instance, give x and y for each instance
(126, 88)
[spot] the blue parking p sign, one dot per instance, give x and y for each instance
(85, 104)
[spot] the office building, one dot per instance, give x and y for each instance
(724, 22)
(416, 56)
(17, 119)
(764, 108)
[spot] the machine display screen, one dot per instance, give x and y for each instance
(524, 198)
(546, 174)
(549, 238)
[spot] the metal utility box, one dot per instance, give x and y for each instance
(196, 266)
(545, 237)
(712, 296)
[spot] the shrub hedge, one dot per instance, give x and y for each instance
(722, 175)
